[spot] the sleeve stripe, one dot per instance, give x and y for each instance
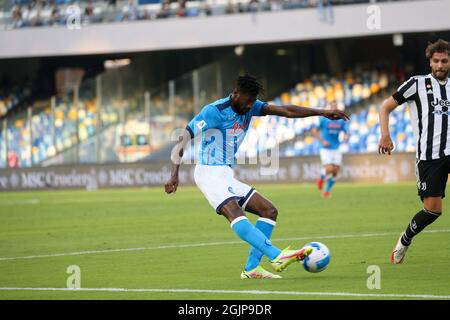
(190, 131)
(406, 86)
(410, 92)
(399, 98)
(405, 91)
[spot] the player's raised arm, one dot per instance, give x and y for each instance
(292, 111)
(176, 156)
(386, 145)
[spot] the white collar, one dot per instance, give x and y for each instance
(441, 82)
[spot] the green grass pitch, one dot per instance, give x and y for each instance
(178, 242)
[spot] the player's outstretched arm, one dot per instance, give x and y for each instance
(176, 156)
(386, 145)
(291, 111)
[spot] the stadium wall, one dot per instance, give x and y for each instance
(226, 30)
(364, 167)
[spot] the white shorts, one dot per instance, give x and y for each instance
(219, 186)
(329, 156)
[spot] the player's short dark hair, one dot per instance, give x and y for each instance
(438, 46)
(249, 84)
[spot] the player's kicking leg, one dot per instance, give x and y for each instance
(280, 259)
(259, 205)
(227, 195)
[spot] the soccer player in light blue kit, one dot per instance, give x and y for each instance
(222, 126)
(331, 157)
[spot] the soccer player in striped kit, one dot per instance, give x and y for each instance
(428, 97)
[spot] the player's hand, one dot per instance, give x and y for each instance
(386, 145)
(172, 184)
(335, 115)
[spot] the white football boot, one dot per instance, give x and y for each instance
(399, 252)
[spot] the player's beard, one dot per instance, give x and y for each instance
(440, 74)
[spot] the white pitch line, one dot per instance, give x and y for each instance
(255, 292)
(206, 244)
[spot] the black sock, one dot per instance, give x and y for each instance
(417, 224)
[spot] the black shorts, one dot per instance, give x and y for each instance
(432, 176)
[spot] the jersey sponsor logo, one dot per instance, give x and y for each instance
(237, 126)
(441, 112)
(334, 125)
(440, 102)
(201, 124)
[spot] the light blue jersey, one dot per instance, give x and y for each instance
(222, 130)
(330, 130)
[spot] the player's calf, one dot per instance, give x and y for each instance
(422, 219)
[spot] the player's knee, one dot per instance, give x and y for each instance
(270, 213)
(231, 211)
(433, 204)
(436, 209)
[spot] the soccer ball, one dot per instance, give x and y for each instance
(319, 258)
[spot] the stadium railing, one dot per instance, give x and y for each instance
(27, 13)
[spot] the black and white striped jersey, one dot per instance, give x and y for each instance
(429, 101)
